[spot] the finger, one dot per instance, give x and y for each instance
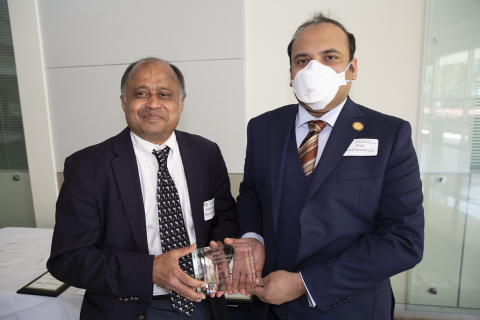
(250, 268)
(220, 293)
(250, 283)
(259, 273)
(185, 291)
(261, 282)
(184, 251)
(235, 280)
(189, 281)
(257, 291)
(224, 272)
(253, 267)
(242, 284)
(215, 244)
(229, 241)
(225, 283)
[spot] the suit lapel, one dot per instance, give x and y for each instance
(340, 139)
(126, 174)
(192, 165)
(280, 131)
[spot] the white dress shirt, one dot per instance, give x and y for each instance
(148, 172)
(301, 131)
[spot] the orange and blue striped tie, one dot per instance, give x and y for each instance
(309, 147)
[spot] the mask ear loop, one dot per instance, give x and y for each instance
(346, 71)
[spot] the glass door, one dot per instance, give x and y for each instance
(448, 275)
(16, 206)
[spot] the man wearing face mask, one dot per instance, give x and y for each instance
(331, 192)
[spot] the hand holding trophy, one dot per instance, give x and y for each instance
(223, 267)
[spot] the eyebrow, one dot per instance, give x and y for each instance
(142, 87)
(331, 51)
(300, 55)
(305, 55)
(157, 88)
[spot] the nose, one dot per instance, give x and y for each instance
(153, 102)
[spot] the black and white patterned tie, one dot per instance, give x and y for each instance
(173, 234)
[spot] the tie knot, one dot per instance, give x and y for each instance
(161, 156)
(316, 125)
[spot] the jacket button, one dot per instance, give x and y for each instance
(273, 244)
(140, 317)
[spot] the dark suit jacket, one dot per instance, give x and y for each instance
(100, 240)
(362, 219)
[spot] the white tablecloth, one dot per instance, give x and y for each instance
(23, 257)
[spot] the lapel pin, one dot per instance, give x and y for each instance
(357, 126)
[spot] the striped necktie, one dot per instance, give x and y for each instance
(309, 147)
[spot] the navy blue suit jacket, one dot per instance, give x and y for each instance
(362, 219)
(100, 240)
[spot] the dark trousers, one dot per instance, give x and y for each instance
(162, 310)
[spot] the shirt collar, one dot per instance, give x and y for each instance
(330, 117)
(143, 149)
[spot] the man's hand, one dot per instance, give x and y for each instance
(223, 270)
(279, 287)
(168, 274)
(240, 284)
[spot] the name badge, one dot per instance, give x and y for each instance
(362, 148)
(209, 209)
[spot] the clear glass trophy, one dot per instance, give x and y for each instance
(222, 266)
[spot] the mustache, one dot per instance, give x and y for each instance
(153, 113)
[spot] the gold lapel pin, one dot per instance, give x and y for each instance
(357, 126)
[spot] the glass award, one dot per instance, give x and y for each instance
(222, 266)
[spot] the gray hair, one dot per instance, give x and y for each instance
(317, 18)
(182, 94)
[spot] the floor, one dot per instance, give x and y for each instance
(401, 313)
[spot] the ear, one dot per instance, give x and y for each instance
(354, 68)
(124, 106)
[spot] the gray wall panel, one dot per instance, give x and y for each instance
(85, 106)
(215, 106)
(93, 32)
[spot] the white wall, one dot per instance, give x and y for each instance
(390, 42)
(390, 45)
(88, 44)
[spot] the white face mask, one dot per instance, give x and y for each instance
(316, 84)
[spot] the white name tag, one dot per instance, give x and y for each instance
(209, 209)
(362, 148)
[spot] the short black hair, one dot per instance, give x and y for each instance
(318, 18)
(181, 80)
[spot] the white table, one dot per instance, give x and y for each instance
(23, 257)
